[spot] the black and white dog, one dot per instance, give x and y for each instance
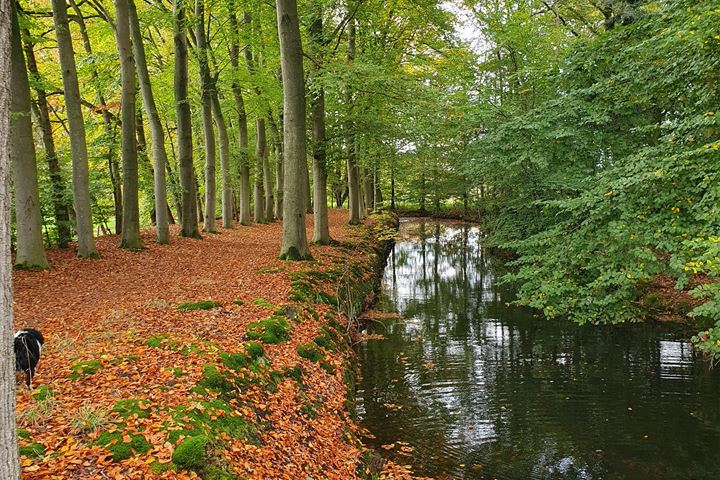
(28, 345)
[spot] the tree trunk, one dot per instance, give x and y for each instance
(294, 242)
(353, 173)
(260, 154)
(156, 131)
(131, 209)
(321, 230)
(207, 87)
(78, 142)
(113, 168)
(279, 177)
(61, 205)
(224, 150)
(184, 123)
(267, 185)
(244, 214)
(9, 461)
(30, 251)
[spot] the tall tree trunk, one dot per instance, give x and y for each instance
(184, 123)
(9, 461)
(244, 214)
(294, 242)
(78, 141)
(267, 186)
(207, 86)
(260, 159)
(61, 205)
(353, 173)
(131, 208)
(108, 123)
(321, 230)
(224, 150)
(368, 191)
(279, 177)
(30, 251)
(156, 130)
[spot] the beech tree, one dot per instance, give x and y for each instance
(9, 460)
(294, 242)
(30, 251)
(189, 217)
(131, 210)
(78, 141)
(156, 130)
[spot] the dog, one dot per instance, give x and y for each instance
(28, 346)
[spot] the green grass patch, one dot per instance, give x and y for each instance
(43, 392)
(36, 450)
(201, 305)
(81, 369)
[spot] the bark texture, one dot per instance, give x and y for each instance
(184, 123)
(353, 173)
(131, 208)
(260, 159)
(294, 241)
(9, 461)
(78, 141)
(30, 250)
(224, 152)
(156, 130)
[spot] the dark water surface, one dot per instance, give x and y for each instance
(481, 390)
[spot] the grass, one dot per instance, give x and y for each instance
(201, 305)
(81, 369)
(88, 418)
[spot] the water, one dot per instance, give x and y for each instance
(465, 386)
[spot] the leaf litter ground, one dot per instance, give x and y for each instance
(121, 360)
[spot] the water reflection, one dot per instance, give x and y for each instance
(481, 390)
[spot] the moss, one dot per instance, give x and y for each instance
(235, 361)
(80, 369)
(271, 330)
(309, 351)
(177, 372)
(43, 392)
(296, 373)
(32, 450)
(160, 468)
(201, 305)
(260, 302)
(325, 342)
(130, 407)
(120, 449)
(191, 454)
(291, 254)
(254, 350)
(239, 303)
(162, 341)
(22, 433)
(213, 380)
(215, 472)
(327, 367)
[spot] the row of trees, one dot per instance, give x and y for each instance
(206, 78)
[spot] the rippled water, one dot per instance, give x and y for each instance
(466, 387)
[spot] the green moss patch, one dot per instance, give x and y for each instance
(201, 305)
(254, 350)
(271, 330)
(239, 303)
(212, 379)
(121, 449)
(260, 302)
(309, 351)
(43, 392)
(81, 369)
(191, 454)
(32, 450)
(132, 408)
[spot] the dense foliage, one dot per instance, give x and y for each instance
(608, 181)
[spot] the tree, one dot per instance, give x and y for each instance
(30, 251)
(207, 86)
(78, 141)
(321, 230)
(294, 242)
(131, 209)
(351, 146)
(9, 461)
(184, 124)
(260, 160)
(156, 130)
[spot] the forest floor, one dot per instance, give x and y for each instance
(130, 386)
